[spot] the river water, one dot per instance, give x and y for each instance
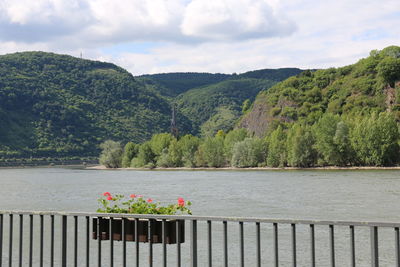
(360, 195)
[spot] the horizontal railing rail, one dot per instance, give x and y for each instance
(78, 239)
(208, 218)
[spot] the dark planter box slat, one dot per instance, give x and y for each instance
(143, 230)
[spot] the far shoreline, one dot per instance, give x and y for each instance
(102, 167)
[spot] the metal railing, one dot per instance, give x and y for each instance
(75, 239)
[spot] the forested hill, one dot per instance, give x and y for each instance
(60, 106)
(370, 85)
(173, 84)
(213, 102)
(338, 116)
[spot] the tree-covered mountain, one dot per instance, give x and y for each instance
(173, 84)
(60, 106)
(213, 101)
(358, 90)
(348, 116)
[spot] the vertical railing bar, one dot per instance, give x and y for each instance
(241, 245)
(21, 230)
(87, 241)
(193, 243)
(332, 244)
(150, 239)
(178, 243)
(30, 239)
(294, 247)
(258, 244)
(41, 240)
(64, 241)
(374, 247)
(397, 245)
(312, 244)
(123, 242)
(51, 240)
(10, 248)
(352, 247)
(1, 240)
(164, 242)
(99, 236)
(21, 235)
(76, 241)
(225, 226)
(137, 242)
(111, 235)
(276, 245)
(209, 241)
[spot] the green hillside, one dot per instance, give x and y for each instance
(355, 90)
(58, 106)
(173, 84)
(61, 106)
(347, 116)
(218, 106)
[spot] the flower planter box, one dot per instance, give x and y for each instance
(143, 230)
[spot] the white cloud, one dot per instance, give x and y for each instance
(135, 20)
(41, 20)
(234, 19)
(97, 22)
(203, 35)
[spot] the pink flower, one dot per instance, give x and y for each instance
(181, 202)
(109, 198)
(133, 195)
(149, 200)
(106, 194)
(140, 196)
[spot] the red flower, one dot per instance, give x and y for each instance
(109, 198)
(181, 202)
(149, 200)
(106, 194)
(133, 195)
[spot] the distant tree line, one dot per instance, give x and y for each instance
(332, 141)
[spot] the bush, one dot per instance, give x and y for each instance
(248, 153)
(111, 154)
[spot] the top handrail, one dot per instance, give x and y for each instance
(208, 218)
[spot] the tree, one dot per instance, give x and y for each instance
(389, 70)
(130, 151)
(189, 145)
(324, 131)
(300, 146)
(248, 153)
(375, 140)
(277, 156)
(145, 157)
(231, 139)
(111, 154)
(159, 142)
(246, 106)
(213, 151)
(175, 153)
(343, 145)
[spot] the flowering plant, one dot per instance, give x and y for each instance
(137, 204)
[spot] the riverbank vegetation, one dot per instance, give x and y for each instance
(332, 141)
(346, 116)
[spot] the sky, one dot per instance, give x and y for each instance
(224, 36)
